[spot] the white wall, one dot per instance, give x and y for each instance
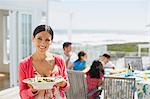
(23, 4)
(35, 7)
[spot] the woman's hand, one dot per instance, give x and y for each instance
(32, 89)
(61, 84)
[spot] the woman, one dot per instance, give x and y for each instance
(44, 64)
(95, 77)
(80, 63)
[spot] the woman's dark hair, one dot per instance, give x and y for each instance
(42, 28)
(80, 54)
(96, 69)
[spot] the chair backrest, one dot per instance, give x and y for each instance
(119, 88)
(78, 85)
(134, 61)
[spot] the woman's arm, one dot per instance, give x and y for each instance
(25, 90)
(63, 72)
(65, 76)
(87, 68)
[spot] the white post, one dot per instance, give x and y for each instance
(139, 50)
(148, 29)
(13, 49)
(70, 27)
(47, 14)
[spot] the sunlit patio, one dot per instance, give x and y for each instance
(95, 26)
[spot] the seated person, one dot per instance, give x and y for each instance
(68, 55)
(95, 77)
(105, 60)
(80, 63)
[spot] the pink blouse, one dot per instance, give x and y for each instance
(93, 83)
(26, 70)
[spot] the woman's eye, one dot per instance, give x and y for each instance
(39, 39)
(47, 40)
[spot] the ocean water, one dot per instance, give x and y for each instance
(100, 37)
(94, 42)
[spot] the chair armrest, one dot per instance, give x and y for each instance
(94, 91)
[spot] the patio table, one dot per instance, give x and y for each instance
(142, 81)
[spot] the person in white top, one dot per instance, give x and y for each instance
(68, 55)
(105, 60)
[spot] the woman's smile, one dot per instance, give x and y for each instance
(42, 48)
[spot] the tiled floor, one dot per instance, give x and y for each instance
(4, 81)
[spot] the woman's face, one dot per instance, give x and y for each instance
(42, 41)
(84, 58)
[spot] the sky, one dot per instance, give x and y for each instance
(99, 14)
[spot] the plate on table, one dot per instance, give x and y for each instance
(43, 82)
(117, 71)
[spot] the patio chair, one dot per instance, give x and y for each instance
(119, 88)
(134, 61)
(78, 86)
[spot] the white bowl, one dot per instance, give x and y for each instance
(42, 82)
(45, 85)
